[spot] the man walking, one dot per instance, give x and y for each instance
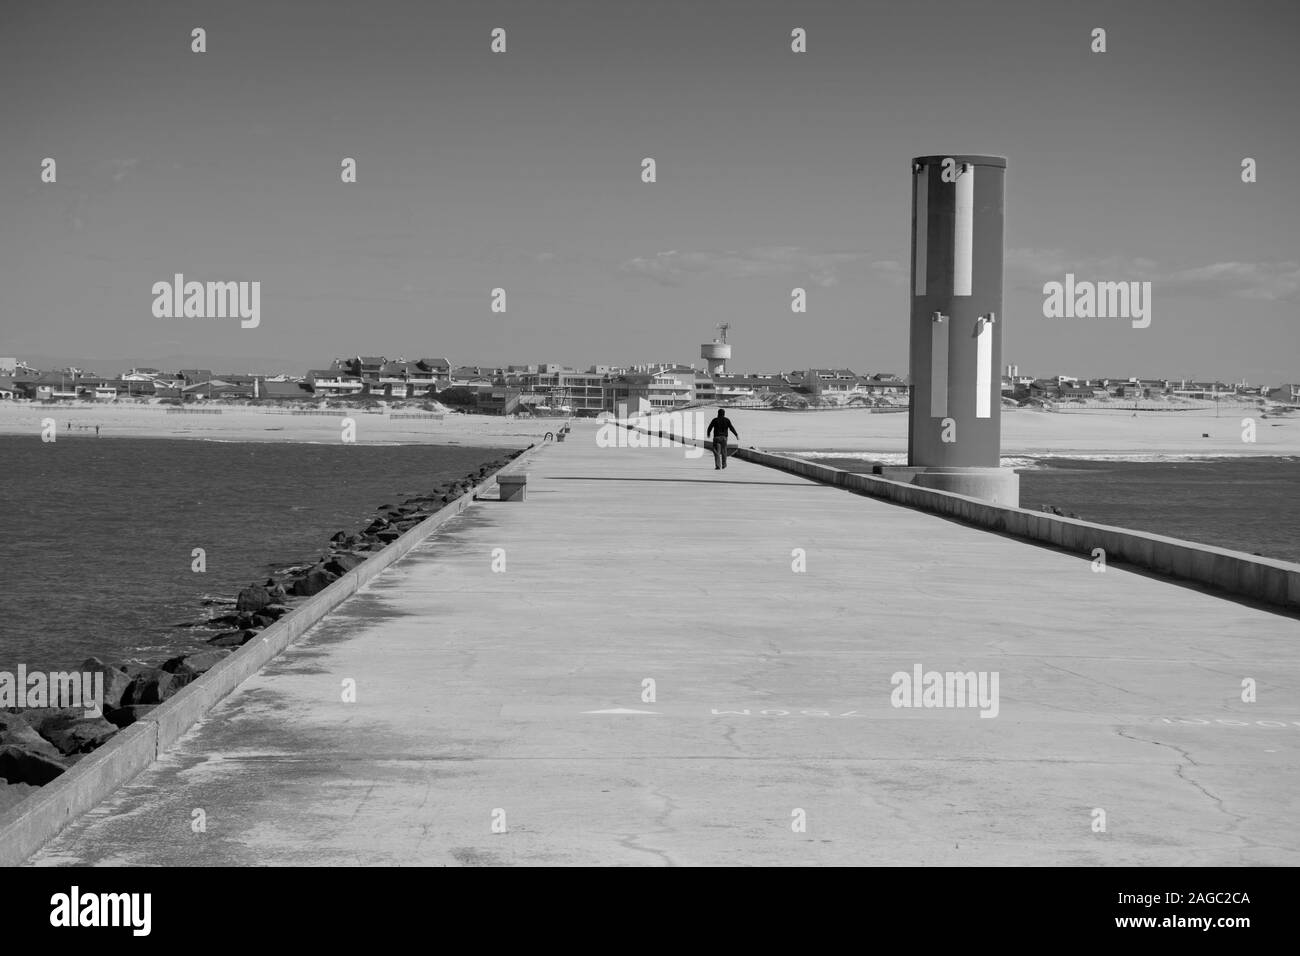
(718, 428)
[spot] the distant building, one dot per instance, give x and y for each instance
(497, 400)
(334, 383)
(1081, 392)
(280, 390)
(887, 384)
(401, 379)
(1290, 394)
(1200, 390)
(1044, 389)
(473, 376)
(439, 372)
(368, 368)
(218, 388)
(824, 382)
(139, 382)
(725, 388)
(556, 387)
(53, 387)
(659, 390)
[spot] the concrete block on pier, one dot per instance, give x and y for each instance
(514, 487)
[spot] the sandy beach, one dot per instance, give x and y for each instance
(241, 423)
(1025, 433)
(1030, 433)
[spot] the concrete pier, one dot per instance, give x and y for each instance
(501, 667)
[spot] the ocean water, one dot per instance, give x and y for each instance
(1249, 504)
(1245, 503)
(96, 535)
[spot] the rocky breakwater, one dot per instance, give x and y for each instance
(37, 744)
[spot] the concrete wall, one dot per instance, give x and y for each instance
(25, 827)
(1266, 580)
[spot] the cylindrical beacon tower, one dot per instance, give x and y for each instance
(955, 424)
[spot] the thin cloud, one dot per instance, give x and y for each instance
(674, 268)
(1267, 281)
(1264, 281)
(890, 270)
(122, 167)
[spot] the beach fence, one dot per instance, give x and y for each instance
(194, 411)
(1086, 406)
(432, 416)
(321, 412)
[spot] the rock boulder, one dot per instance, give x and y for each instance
(156, 685)
(227, 639)
(16, 732)
(197, 663)
(313, 582)
(116, 680)
(253, 599)
(21, 765)
(69, 729)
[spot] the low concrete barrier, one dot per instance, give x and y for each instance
(47, 811)
(27, 826)
(1266, 580)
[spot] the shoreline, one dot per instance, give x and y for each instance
(241, 423)
(1026, 433)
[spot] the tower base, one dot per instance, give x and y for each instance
(998, 486)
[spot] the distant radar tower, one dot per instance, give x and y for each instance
(716, 353)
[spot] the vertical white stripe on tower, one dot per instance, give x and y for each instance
(984, 367)
(963, 225)
(921, 203)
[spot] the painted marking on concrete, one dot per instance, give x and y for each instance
(782, 712)
(963, 231)
(878, 711)
(938, 365)
(921, 184)
(983, 366)
(1230, 722)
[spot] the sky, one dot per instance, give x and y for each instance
(522, 171)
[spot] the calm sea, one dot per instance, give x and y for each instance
(1249, 504)
(95, 551)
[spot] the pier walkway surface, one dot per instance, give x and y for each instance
(484, 697)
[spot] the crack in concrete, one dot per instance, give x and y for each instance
(1237, 818)
(730, 737)
(1095, 680)
(661, 821)
(629, 843)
